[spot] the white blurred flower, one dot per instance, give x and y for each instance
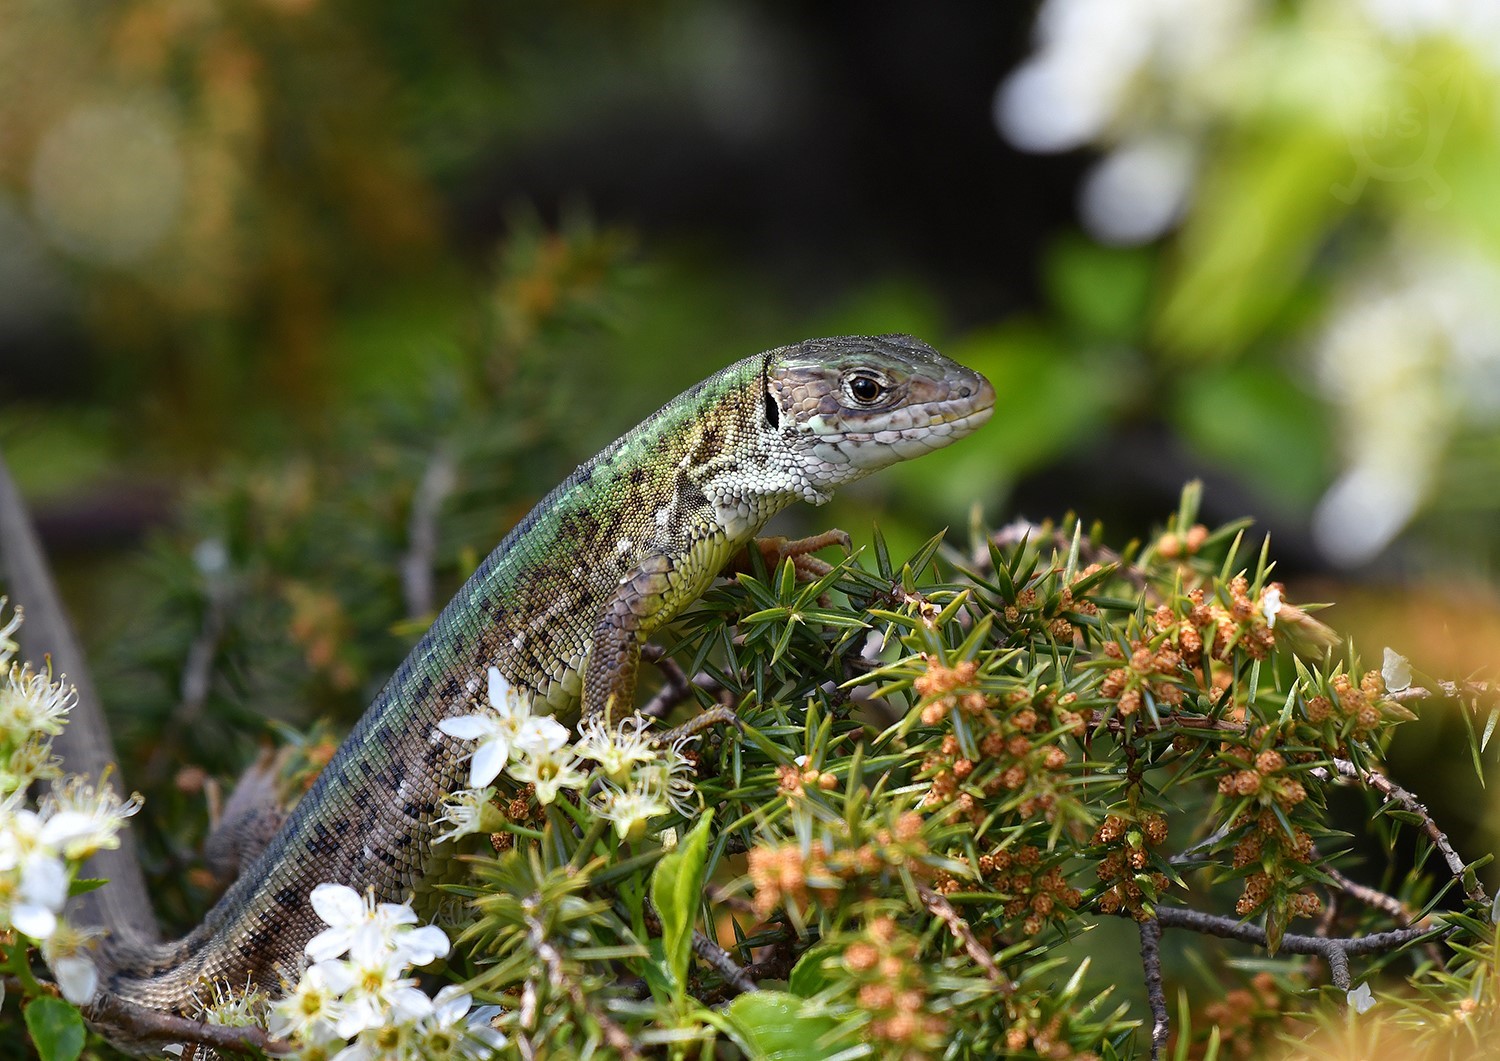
(66, 954)
(1410, 352)
(549, 770)
(33, 875)
(452, 1031)
(31, 703)
(1270, 605)
(88, 818)
(1361, 999)
(8, 646)
(1139, 190)
(1395, 671)
(469, 811)
(506, 729)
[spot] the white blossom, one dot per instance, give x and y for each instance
(312, 1010)
(1361, 999)
(506, 728)
(630, 809)
(8, 646)
(367, 930)
(66, 954)
(549, 770)
(375, 993)
(32, 703)
(469, 811)
(616, 749)
(1270, 605)
(1395, 670)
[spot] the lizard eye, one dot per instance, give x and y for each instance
(865, 390)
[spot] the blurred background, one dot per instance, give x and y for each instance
(304, 302)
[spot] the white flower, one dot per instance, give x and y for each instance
(549, 770)
(90, 818)
(1361, 998)
(632, 808)
(8, 645)
(507, 728)
(1395, 669)
(1270, 604)
(65, 953)
(451, 1030)
(31, 703)
(616, 749)
(375, 994)
(367, 930)
(311, 1011)
(469, 811)
(32, 870)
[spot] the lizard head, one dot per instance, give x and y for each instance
(848, 406)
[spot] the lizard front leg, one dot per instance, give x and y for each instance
(643, 601)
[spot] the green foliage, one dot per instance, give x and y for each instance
(56, 1029)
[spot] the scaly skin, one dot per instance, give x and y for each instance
(562, 607)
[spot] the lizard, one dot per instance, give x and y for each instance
(562, 607)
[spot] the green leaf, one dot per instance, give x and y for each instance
(776, 1026)
(808, 975)
(86, 884)
(676, 890)
(56, 1029)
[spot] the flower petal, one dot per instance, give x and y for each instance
(488, 761)
(467, 727)
(338, 904)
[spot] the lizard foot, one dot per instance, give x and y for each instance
(714, 716)
(808, 567)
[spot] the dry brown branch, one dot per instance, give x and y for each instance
(1335, 951)
(122, 1021)
(1161, 1027)
(940, 908)
(1394, 793)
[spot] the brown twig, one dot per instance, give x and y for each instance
(1394, 793)
(676, 686)
(939, 907)
(1473, 691)
(1335, 951)
(122, 1021)
(724, 964)
(1156, 994)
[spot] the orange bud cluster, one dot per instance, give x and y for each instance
(1353, 706)
(1267, 843)
(1153, 670)
(1172, 545)
(1123, 868)
(784, 874)
(1262, 777)
(1247, 1017)
(1010, 756)
(893, 991)
(1037, 895)
(1042, 1038)
(793, 781)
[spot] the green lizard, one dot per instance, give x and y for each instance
(562, 607)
